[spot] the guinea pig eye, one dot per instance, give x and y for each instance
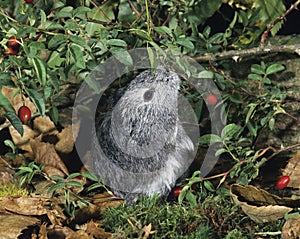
(148, 95)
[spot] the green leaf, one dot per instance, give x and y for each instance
(221, 151)
(210, 138)
(163, 30)
(56, 186)
(252, 129)
(55, 60)
(57, 41)
(206, 31)
(183, 193)
(121, 55)
(116, 42)
(250, 112)
(205, 75)
(15, 121)
(78, 56)
(57, 177)
(216, 38)
(54, 114)
(274, 68)
(10, 144)
(266, 80)
(254, 77)
(271, 123)
(65, 12)
(38, 100)
(90, 176)
(40, 70)
(5, 103)
(230, 131)
(186, 43)
(257, 69)
(192, 199)
(142, 34)
(209, 186)
(74, 183)
(73, 175)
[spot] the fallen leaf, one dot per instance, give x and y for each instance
(66, 139)
(100, 203)
(79, 234)
(105, 200)
(94, 229)
(33, 206)
(22, 142)
(293, 170)
(44, 124)
(43, 231)
(291, 229)
(260, 205)
(6, 173)
(16, 99)
(12, 225)
(24, 205)
(45, 153)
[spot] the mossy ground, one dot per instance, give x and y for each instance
(215, 217)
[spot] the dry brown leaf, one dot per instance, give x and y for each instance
(6, 173)
(105, 200)
(291, 229)
(98, 207)
(66, 139)
(260, 205)
(16, 100)
(45, 153)
(43, 231)
(58, 231)
(44, 124)
(25, 205)
(23, 141)
(11, 226)
(79, 234)
(94, 229)
(293, 170)
(33, 206)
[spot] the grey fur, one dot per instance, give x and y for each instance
(143, 148)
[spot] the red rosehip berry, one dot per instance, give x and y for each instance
(12, 42)
(177, 190)
(28, 1)
(282, 182)
(211, 100)
(24, 114)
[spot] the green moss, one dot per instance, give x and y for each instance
(11, 189)
(215, 217)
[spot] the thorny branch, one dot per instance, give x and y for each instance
(281, 18)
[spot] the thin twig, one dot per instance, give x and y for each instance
(281, 18)
(235, 54)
